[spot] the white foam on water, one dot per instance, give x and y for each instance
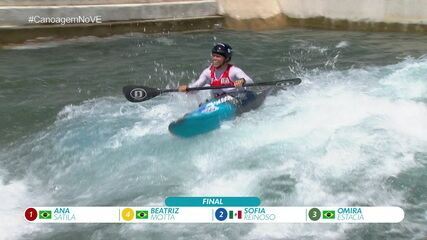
(347, 138)
(219, 185)
(309, 46)
(166, 41)
(333, 140)
(408, 79)
(342, 44)
(16, 198)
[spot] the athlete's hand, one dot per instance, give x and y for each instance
(239, 83)
(183, 88)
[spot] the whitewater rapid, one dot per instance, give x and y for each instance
(342, 137)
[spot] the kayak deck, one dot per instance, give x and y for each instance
(209, 115)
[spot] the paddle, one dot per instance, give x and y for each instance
(135, 93)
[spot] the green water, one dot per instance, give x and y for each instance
(353, 133)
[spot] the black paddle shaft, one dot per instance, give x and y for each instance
(135, 93)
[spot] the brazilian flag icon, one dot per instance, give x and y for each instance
(142, 214)
(45, 214)
(328, 214)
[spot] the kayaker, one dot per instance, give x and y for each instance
(221, 73)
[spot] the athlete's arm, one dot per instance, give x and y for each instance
(238, 74)
(203, 79)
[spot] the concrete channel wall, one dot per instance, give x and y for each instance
(76, 2)
(122, 16)
(149, 16)
(19, 15)
(371, 15)
(389, 11)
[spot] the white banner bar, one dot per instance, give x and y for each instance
(214, 214)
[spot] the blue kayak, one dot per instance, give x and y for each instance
(209, 115)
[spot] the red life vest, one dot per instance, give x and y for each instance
(223, 80)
